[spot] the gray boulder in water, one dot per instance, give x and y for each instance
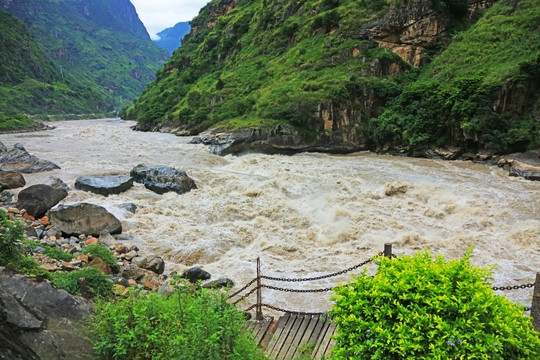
(84, 218)
(40, 322)
(38, 199)
(18, 159)
(104, 185)
(162, 179)
(195, 274)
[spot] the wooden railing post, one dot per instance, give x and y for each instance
(535, 308)
(388, 250)
(258, 308)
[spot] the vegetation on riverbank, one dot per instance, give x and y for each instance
(303, 64)
(417, 307)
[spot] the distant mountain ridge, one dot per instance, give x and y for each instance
(99, 43)
(170, 39)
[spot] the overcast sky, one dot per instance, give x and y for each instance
(157, 15)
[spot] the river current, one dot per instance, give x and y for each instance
(304, 215)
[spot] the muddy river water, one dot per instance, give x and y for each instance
(304, 215)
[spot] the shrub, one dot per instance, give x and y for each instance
(186, 325)
(11, 235)
(429, 309)
(58, 254)
(100, 251)
(95, 279)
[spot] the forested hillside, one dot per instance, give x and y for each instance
(353, 74)
(100, 44)
(31, 83)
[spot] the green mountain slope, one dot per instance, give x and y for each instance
(31, 84)
(482, 92)
(94, 42)
(337, 73)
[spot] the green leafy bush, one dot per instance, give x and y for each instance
(100, 251)
(422, 308)
(58, 254)
(95, 279)
(11, 234)
(186, 325)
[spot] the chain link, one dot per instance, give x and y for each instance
(298, 290)
(515, 287)
(243, 288)
(245, 296)
(292, 311)
(319, 277)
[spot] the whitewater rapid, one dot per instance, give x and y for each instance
(304, 215)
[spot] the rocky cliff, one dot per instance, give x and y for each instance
(335, 75)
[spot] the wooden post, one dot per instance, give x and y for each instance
(388, 250)
(258, 308)
(535, 308)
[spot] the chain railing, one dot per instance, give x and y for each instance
(259, 286)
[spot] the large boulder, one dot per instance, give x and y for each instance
(104, 185)
(162, 179)
(11, 180)
(38, 199)
(195, 274)
(57, 183)
(40, 322)
(18, 159)
(84, 218)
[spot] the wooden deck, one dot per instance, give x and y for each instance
(294, 336)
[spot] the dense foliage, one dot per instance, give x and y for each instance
(96, 280)
(420, 308)
(185, 325)
(295, 63)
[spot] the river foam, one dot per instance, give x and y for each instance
(303, 215)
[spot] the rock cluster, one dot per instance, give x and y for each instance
(161, 179)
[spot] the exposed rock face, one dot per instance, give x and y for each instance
(104, 185)
(277, 140)
(84, 218)
(11, 180)
(410, 28)
(40, 322)
(526, 165)
(18, 159)
(162, 179)
(38, 199)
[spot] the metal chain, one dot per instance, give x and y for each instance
(293, 312)
(243, 288)
(515, 287)
(319, 277)
(245, 296)
(298, 290)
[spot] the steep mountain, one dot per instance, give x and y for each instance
(170, 39)
(99, 42)
(31, 83)
(343, 75)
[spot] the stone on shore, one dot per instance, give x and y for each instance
(104, 185)
(11, 180)
(195, 274)
(6, 196)
(38, 321)
(38, 199)
(219, 283)
(57, 183)
(162, 179)
(84, 218)
(18, 159)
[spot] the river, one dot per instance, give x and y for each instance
(304, 215)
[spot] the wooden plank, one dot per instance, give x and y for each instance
(283, 337)
(285, 353)
(313, 322)
(326, 340)
(320, 336)
(262, 327)
(298, 335)
(265, 341)
(278, 330)
(331, 345)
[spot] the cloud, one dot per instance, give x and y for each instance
(157, 15)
